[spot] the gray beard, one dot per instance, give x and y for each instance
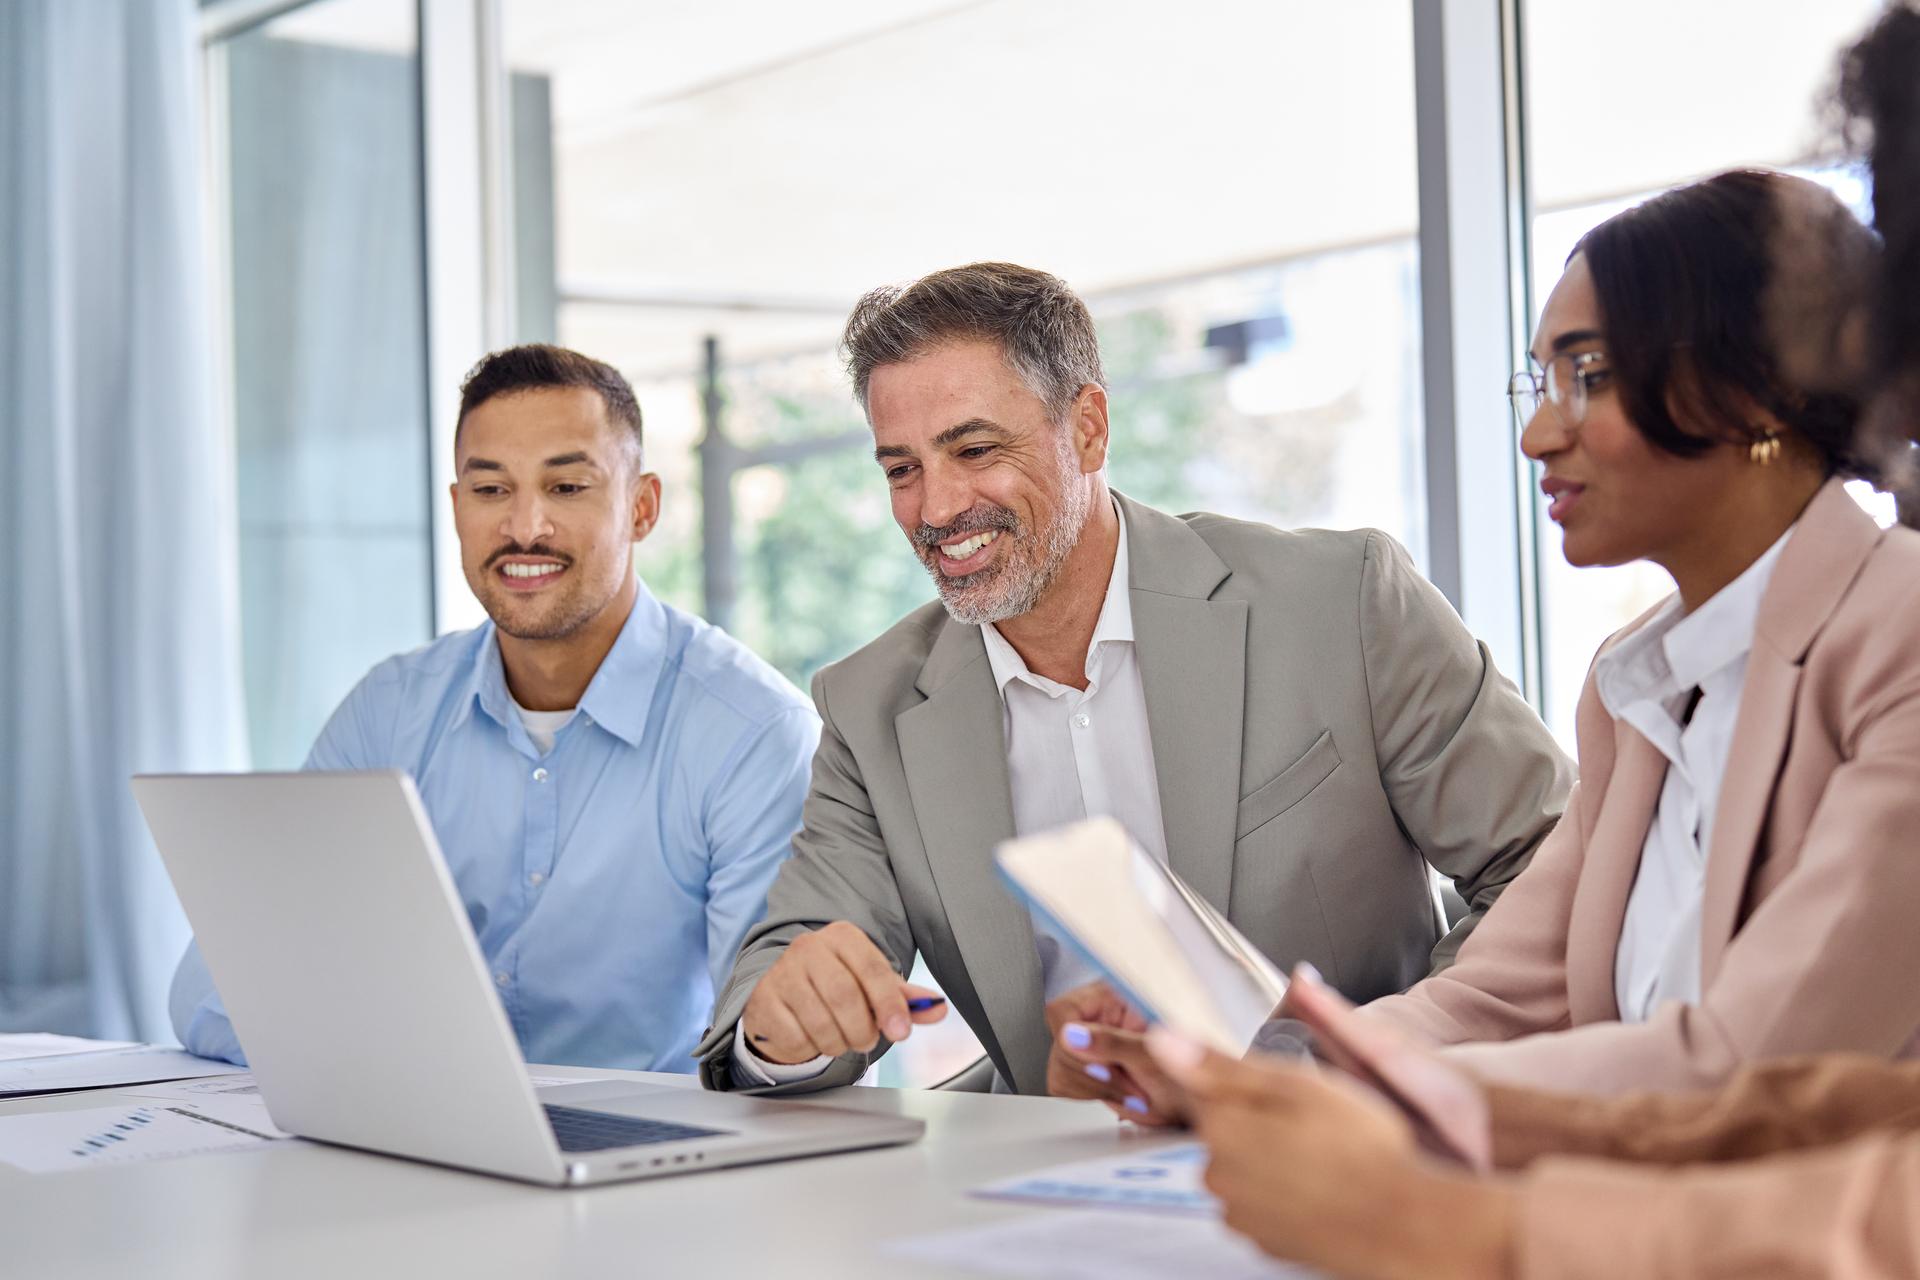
(1017, 588)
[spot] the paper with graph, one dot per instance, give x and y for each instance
(60, 1141)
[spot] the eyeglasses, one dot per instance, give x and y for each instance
(1567, 383)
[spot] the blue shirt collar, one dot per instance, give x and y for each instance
(621, 691)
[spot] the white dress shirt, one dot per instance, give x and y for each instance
(1071, 754)
(1074, 754)
(1647, 681)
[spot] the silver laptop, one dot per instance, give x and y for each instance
(338, 943)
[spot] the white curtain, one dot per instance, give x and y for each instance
(118, 606)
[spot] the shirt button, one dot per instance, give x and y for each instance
(539, 775)
(500, 978)
(536, 879)
(1083, 720)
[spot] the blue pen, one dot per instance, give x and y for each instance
(920, 1004)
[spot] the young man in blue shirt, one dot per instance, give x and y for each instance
(613, 782)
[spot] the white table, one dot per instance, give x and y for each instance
(297, 1209)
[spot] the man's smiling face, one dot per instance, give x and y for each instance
(988, 488)
(544, 505)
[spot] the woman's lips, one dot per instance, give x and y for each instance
(1562, 496)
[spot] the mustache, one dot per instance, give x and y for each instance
(515, 549)
(981, 519)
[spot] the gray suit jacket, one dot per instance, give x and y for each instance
(1323, 726)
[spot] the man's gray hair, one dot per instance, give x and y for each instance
(1042, 329)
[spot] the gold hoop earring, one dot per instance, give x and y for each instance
(1763, 451)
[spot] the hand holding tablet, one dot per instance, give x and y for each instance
(1207, 991)
(1447, 1107)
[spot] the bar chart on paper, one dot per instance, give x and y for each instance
(53, 1141)
(1168, 1180)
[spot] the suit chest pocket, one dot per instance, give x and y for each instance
(1293, 784)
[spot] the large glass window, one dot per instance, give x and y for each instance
(1625, 100)
(1238, 207)
(318, 184)
(699, 193)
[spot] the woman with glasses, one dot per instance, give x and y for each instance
(1805, 908)
(1737, 875)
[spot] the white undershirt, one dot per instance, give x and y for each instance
(1071, 754)
(1646, 681)
(544, 726)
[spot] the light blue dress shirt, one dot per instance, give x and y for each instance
(610, 881)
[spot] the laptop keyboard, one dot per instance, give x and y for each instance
(580, 1130)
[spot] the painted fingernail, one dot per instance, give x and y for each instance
(1137, 1105)
(1306, 970)
(1099, 1073)
(898, 1029)
(1076, 1036)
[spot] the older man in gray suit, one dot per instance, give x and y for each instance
(1296, 722)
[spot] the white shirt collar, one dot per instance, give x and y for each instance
(1673, 653)
(1114, 624)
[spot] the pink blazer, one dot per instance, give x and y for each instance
(1810, 922)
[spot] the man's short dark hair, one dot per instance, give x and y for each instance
(1041, 327)
(536, 365)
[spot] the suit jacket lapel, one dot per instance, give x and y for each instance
(1632, 791)
(1760, 734)
(1192, 653)
(953, 747)
(1819, 563)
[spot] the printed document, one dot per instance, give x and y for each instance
(59, 1141)
(43, 1044)
(1167, 1180)
(104, 1069)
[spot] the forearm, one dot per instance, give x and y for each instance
(1451, 1008)
(839, 874)
(1679, 1051)
(210, 1034)
(199, 1019)
(1843, 1212)
(1440, 1225)
(1510, 977)
(1482, 886)
(715, 1049)
(726, 1064)
(1771, 1107)
(723, 1067)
